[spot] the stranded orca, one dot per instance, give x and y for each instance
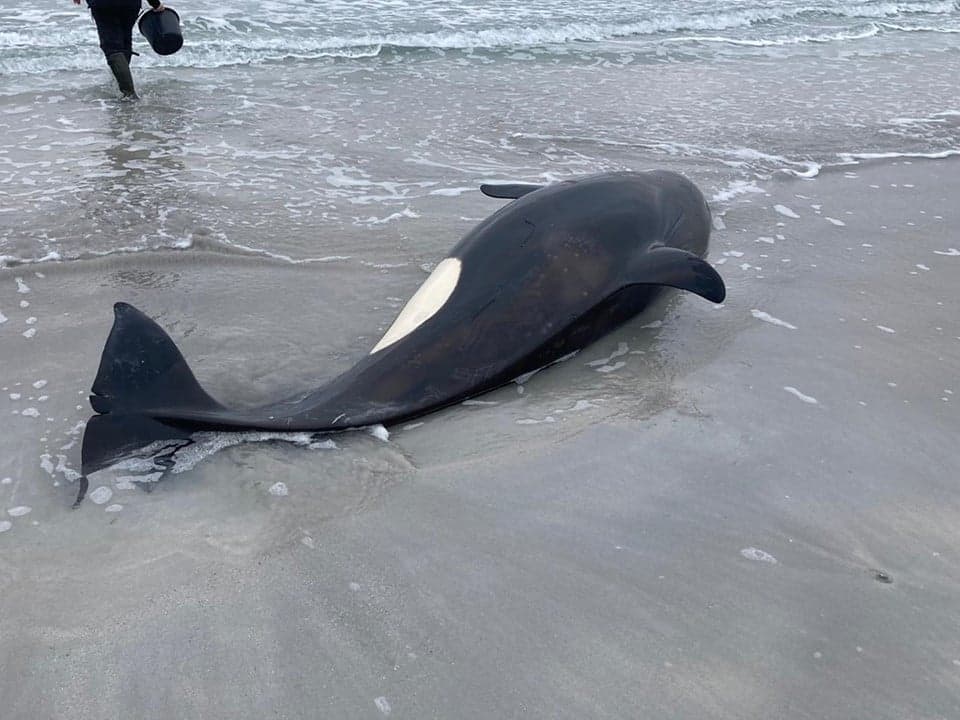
(544, 276)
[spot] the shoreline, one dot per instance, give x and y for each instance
(736, 194)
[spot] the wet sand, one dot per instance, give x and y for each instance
(754, 516)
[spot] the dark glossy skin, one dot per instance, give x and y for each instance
(547, 274)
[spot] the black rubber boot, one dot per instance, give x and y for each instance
(121, 71)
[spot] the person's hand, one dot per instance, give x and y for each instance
(158, 8)
(76, 2)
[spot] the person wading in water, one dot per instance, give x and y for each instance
(115, 20)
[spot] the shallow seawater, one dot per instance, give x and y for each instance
(347, 134)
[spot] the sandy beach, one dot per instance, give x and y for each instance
(736, 511)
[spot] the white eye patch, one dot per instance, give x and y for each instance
(425, 303)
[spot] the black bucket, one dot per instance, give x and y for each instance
(162, 30)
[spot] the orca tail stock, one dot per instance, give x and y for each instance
(141, 373)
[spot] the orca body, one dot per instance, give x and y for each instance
(546, 275)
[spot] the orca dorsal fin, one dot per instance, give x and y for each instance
(679, 269)
(508, 191)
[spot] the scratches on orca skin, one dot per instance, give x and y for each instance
(674, 226)
(533, 229)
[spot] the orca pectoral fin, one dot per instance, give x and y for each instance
(510, 191)
(679, 269)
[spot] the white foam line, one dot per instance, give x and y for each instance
(735, 189)
(611, 368)
(521, 379)
(919, 28)
(853, 158)
(373, 220)
(622, 349)
(950, 252)
(451, 192)
(766, 317)
(7, 261)
(870, 32)
(287, 258)
(785, 211)
(800, 395)
(13, 260)
(579, 406)
(203, 446)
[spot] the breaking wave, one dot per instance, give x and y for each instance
(37, 43)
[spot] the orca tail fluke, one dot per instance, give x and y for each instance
(110, 438)
(142, 379)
